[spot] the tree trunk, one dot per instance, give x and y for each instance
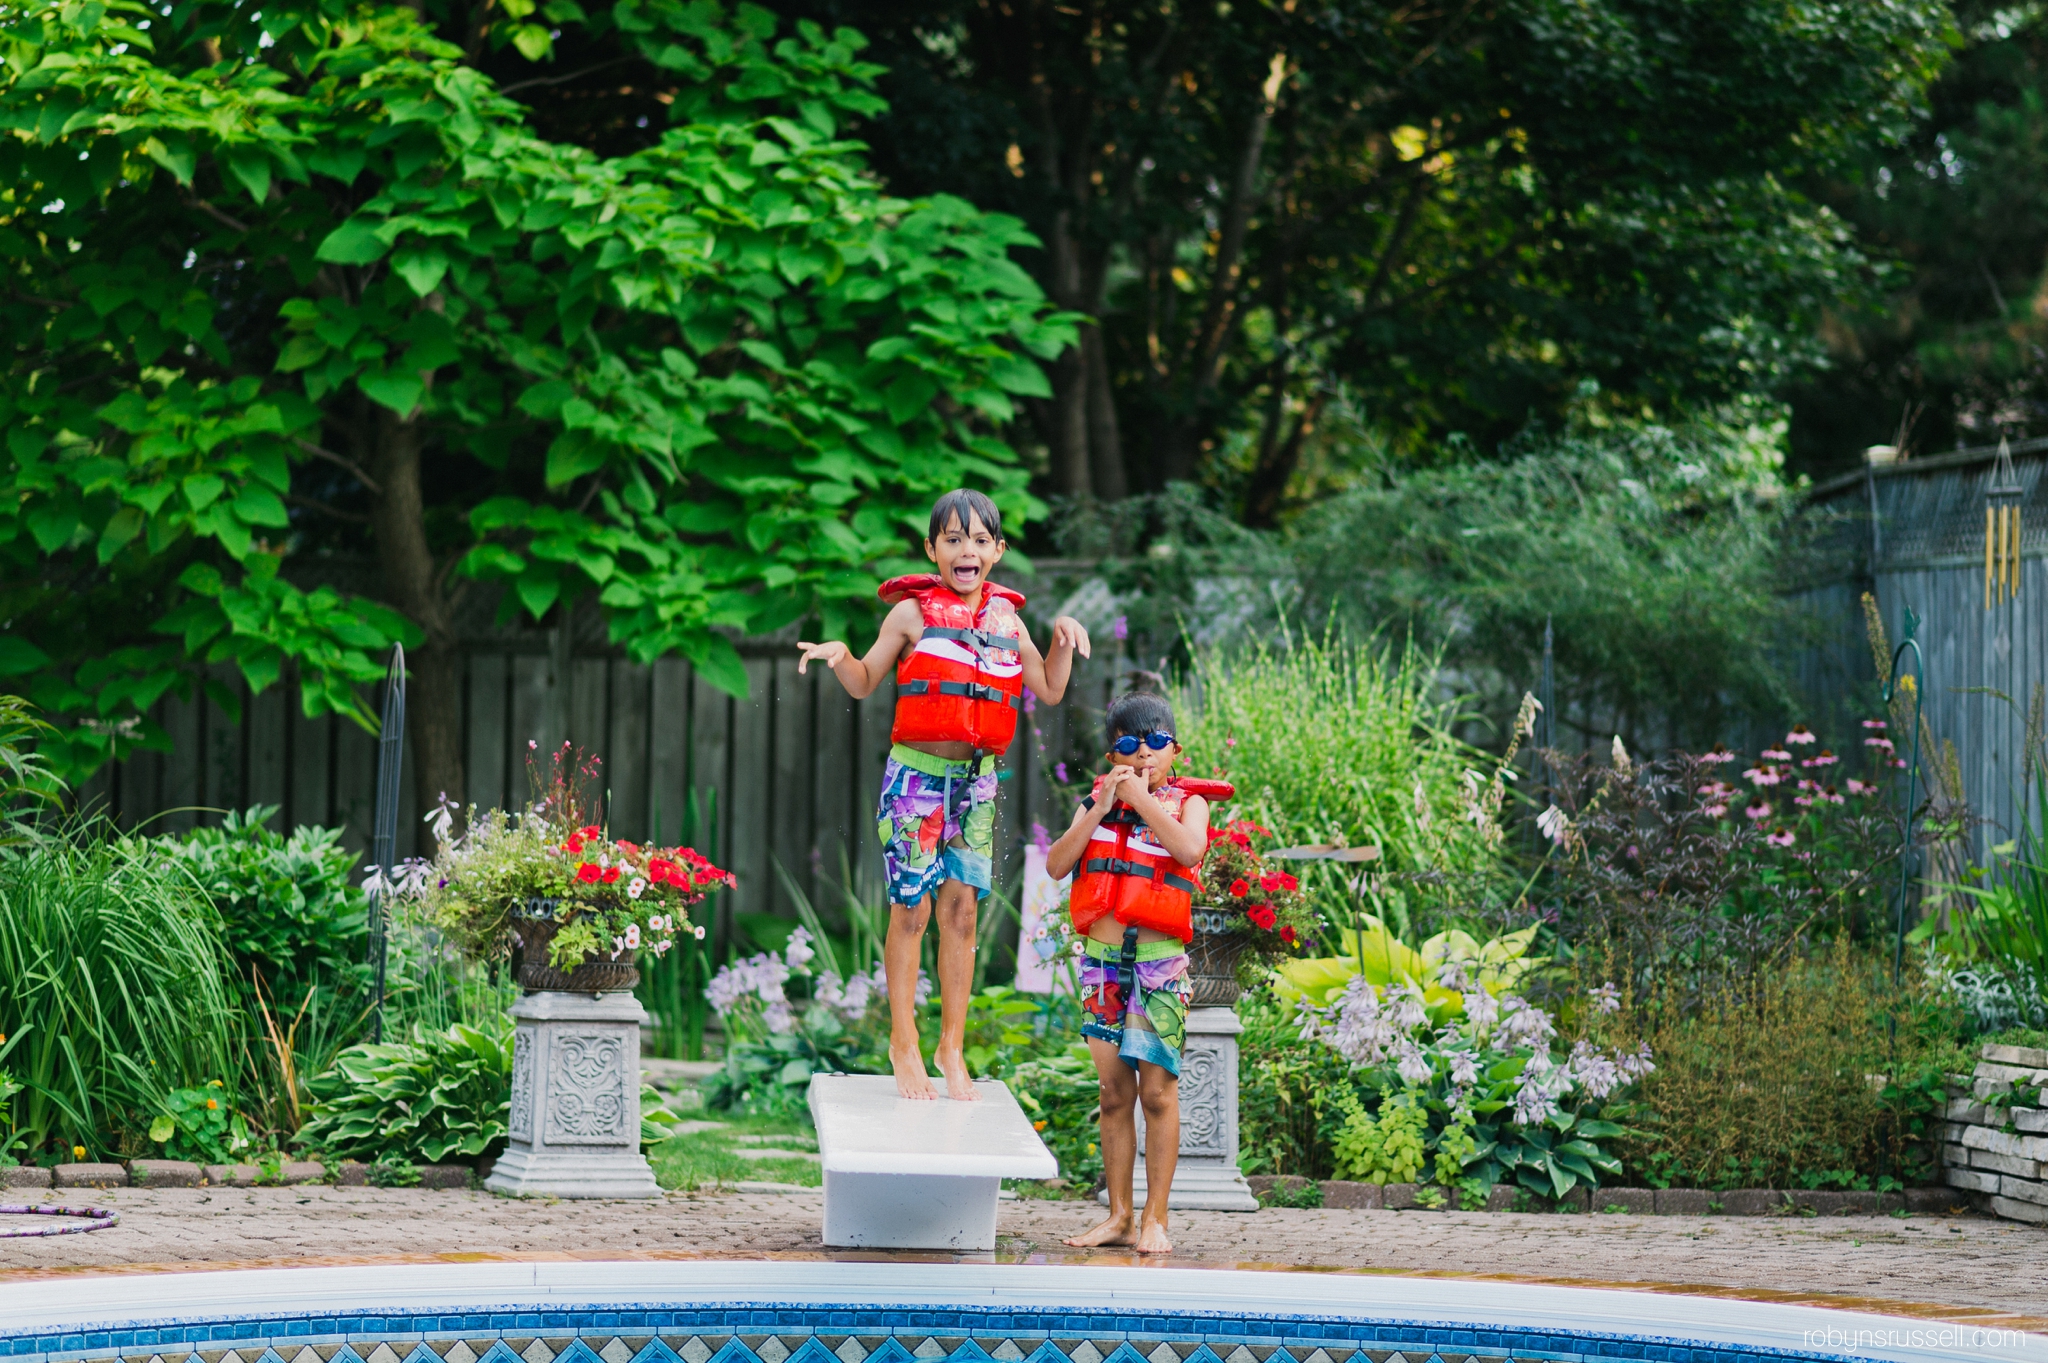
(1105, 441)
(413, 585)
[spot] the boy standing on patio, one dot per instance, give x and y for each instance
(962, 658)
(1133, 848)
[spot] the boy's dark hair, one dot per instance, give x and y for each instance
(1138, 713)
(967, 506)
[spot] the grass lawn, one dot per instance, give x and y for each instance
(723, 1154)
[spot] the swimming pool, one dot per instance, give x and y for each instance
(735, 1311)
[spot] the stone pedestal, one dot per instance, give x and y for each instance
(1206, 1177)
(575, 1121)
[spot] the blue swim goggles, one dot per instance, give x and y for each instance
(1157, 741)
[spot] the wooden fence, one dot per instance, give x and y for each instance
(791, 771)
(1914, 533)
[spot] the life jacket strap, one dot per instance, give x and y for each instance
(981, 640)
(971, 690)
(1117, 866)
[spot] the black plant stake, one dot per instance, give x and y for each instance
(390, 759)
(1891, 689)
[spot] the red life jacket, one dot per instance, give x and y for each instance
(964, 681)
(1125, 871)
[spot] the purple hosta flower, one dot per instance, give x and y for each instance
(798, 953)
(1880, 742)
(1800, 735)
(759, 977)
(1637, 1065)
(1607, 998)
(1120, 628)
(1451, 975)
(1543, 1083)
(1059, 772)
(1526, 1024)
(1412, 1065)
(442, 819)
(1040, 838)
(1759, 810)
(1409, 1014)
(850, 998)
(1592, 1071)
(1781, 837)
(1482, 1011)
(1464, 1068)
(778, 1017)
(407, 880)
(1363, 1033)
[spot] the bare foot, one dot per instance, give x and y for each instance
(911, 1079)
(1115, 1230)
(1152, 1239)
(959, 1083)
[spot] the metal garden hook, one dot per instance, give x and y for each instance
(1891, 689)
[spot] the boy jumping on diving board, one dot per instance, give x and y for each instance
(962, 658)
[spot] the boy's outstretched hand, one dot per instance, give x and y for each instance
(1067, 632)
(831, 654)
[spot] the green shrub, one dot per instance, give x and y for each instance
(201, 1124)
(285, 902)
(1287, 1109)
(114, 992)
(1332, 740)
(439, 1096)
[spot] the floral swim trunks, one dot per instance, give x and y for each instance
(937, 822)
(1134, 995)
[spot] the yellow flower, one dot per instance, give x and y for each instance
(212, 1104)
(1038, 1126)
(78, 1152)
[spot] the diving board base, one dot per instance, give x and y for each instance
(910, 1211)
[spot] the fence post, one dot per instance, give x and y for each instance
(384, 828)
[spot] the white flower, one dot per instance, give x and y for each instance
(1637, 1065)
(632, 936)
(1553, 824)
(441, 820)
(778, 1017)
(1594, 1072)
(1621, 762)
(1464, 1068)
(1542, 1084)
(1408, 1015)
(635, 888)
(1526, 1025)
(700, 932)
(1482, 1011)
(1413, 1065)
(1607, 998)
(798, 953)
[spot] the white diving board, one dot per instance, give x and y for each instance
(908, 1174)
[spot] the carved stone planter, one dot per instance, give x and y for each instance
(575, 1119)
(1206, 1177)
(536, 928)
(1212, 959)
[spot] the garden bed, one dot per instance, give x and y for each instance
(1290, 1190)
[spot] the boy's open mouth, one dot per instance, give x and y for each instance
(966, 572)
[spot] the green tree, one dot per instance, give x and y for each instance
(1456, 212)
(306, 278)
(1956, 352)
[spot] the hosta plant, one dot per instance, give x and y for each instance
(1468, 1098)
(439, 1096)
(1373, 951)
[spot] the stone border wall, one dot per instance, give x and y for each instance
(1996, 1146)
(1338, 1193)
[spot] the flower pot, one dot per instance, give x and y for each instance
(536, 929)
(1213, 955)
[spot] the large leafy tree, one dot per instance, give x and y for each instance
(1957, 351)
(307, 278)
(1454, 214)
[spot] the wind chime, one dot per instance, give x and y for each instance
(2002, 532)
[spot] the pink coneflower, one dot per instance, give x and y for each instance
(1805, 784)
(1823, 758)
(1873, 724)
(1832, 796)
(1780, 837)
(1777, 754)
(1713, 811)
(1761, 810)
(1764, 776)
(1803, 801)
(1879, 742)
(1717, 753)
(1800, 734)
(1857, 787)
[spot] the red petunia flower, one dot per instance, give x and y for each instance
(1262, 915)
(588, 873)
(590, 831)
(1289, 936)
(1238, 889)
(611, 873)
(1241, 839)
(662, 871)
(1277, 882)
